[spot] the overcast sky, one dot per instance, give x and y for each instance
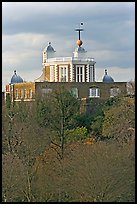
(108, 36)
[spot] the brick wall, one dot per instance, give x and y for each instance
(83, 87)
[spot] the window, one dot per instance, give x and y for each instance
(63, 73)
(30, 93)
(80, 75)
(25, 93)
(94, 92)
(7, 88)
(16, 93)
(46, 91)
(74, 92)
(91, 73)
(21, 94)
(52, 73)
(114, 92)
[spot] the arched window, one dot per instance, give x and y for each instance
(94, 92)
(30, 93)
(74, 92)
(16, 93)
(25, 93)
(46, 91)
(21, 93)
(114, 91)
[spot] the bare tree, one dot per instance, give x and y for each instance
(131, 87)
(119, 120)
(55, 112)
(23, 143)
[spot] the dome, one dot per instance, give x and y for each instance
(79, 52)
(107, 78)
(15, 79)
(50, 48)
(80, 49)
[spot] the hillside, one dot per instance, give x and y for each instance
(98, 163)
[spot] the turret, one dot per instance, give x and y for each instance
(48, 52)
(107, 78)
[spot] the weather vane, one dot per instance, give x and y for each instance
(79, 29)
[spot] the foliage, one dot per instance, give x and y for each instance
(77, 134)
(97, 106)
(119, 120)
(83, 120)
(96, 126)
(8, 101)
(111, 101)
(115, 119)
(101, 172)
(98, 119)
(13, 178)
(21, 143)
(105, 173)
(55, 107)
(56, 111)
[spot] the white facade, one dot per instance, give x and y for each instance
(77, 68)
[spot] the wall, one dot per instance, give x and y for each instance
(83, 87)
(24, 86)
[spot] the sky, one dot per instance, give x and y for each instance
(108, 36)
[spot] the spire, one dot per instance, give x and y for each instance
(105, 71)
(79, 29)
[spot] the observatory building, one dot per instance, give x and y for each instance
(76, 72)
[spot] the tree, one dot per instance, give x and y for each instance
(102, 172)
(119, 120)
(56, 112)
(84, 120)
(22, 143)
(131, 87)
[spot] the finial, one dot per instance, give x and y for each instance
(79, 42)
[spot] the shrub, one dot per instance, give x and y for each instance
(97, 125)
(83, 120)
(78, 134)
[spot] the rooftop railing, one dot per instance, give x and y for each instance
(66, 59)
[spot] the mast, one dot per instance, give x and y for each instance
(79, 30)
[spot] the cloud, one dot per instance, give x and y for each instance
(55, 16)
(23, 41)
(27, 27)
